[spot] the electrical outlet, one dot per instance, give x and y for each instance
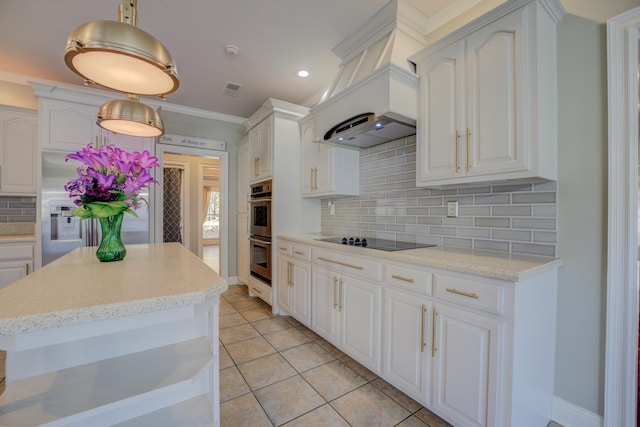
(332, 209)
(452, 209)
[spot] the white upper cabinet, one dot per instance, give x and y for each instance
(261, 150)
(327, 170)
(487, 100)
(243, 176)
(18, 142)
(69, 126)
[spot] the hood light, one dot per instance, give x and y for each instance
(303, 73)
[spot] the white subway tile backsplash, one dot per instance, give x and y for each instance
(510, 217)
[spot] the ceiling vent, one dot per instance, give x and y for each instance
(231, 89)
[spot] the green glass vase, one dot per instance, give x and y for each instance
(111, 247)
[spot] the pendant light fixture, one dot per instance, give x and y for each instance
(130, 117)
(122, 57)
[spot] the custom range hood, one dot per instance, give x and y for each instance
(373, 98)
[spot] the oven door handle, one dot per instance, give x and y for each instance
(258, 199)
(259, 241)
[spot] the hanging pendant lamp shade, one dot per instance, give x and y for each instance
(122, 57)
(130, 117)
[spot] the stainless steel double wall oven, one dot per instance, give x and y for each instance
(260, 231)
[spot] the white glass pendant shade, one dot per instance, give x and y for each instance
(130, 117)
(121, 57)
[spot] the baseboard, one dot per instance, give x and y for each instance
(233, 280)
(569, 415)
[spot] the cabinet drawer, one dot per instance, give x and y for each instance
(16, 252)
(302, 252)
(412, 279)
(341, 263)
(285, 248)
(260, 290)
(470, 293)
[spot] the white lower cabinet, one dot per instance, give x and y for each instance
(465, 347)
(294, 288)
(406, 338)
(346, 312)
(360, 309)
(477, 351)
(16, 261)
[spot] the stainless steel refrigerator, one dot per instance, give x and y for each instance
(61, 231)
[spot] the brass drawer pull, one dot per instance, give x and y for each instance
(256, 290)
(357, 267)
(434, 313)
(404, 279)
(282, 248)
(299, 253)
(422, 342)
(466, 294)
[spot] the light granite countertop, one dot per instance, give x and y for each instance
(78, 288)
(493, 264)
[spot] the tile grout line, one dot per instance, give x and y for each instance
(317, 340)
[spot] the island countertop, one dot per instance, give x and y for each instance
(78, 288)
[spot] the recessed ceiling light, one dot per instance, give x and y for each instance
(303, 73)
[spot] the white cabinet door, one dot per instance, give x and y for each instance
(465, 366)
(261, 149)
(300, 299)
(359, 305)
(325, 317)
(243, 176)
(406, 344)
(10, 271)
(496, 98)
(243, 248)
(285, 280)
(327, 170)
(69, 126)
(18, 142)
(309, 159)
(442, 114)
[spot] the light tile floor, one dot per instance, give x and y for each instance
(274, 371)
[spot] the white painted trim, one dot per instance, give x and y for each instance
(569, 415)
(620, 388)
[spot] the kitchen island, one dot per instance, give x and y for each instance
(133, 342)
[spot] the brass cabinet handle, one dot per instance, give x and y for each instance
(27, 268)
(357, 267)
(311, 179)
(104, 140)
(468, 163)
(335, 285)
(466, 294)
(341, 295)
(404, 279)
(422, 343)
(457, 165)
(434, 313)
(256, 290)
(291, 273)
(315, 179)
(282, 248)
(299, 252)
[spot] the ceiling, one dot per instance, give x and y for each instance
(275, 38)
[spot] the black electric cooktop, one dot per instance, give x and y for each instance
(380, 244)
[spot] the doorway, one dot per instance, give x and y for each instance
(203, 176)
